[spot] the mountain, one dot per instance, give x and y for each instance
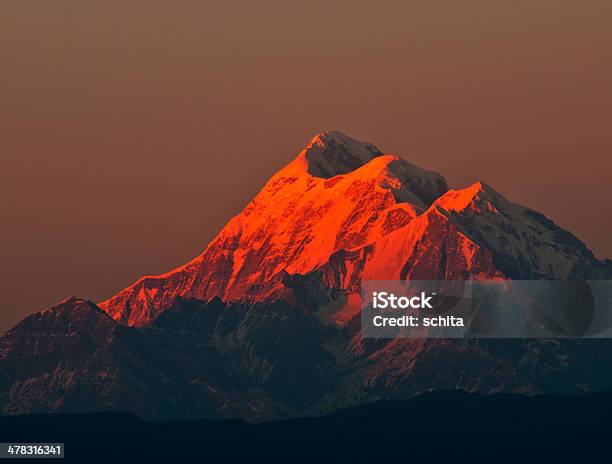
(337, 195)
(342, 211)
(73, 354)
(264, 323)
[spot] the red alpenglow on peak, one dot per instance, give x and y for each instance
(343, 211)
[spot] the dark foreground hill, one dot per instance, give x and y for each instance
(432, 426)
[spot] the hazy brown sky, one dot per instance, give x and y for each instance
(131, 131)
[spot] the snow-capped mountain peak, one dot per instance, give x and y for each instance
(331, 153)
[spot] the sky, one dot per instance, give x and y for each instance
(131, 131)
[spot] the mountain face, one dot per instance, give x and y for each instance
(338, 195)
(264, 323)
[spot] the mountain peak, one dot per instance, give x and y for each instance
(331, 153)
(71, 312)
(75, 303)
(331, 136)
(477, 196)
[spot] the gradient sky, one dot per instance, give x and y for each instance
(132, 130)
